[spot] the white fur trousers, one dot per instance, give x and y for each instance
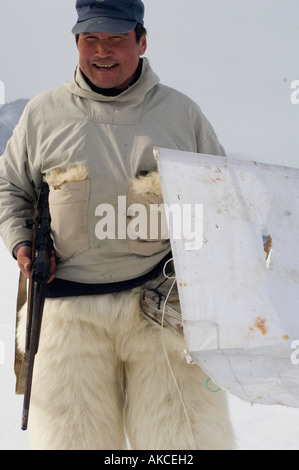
(101, 372)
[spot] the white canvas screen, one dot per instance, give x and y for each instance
(239, 291)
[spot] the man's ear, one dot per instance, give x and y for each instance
(143, 44)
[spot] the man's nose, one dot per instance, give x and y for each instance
(103, 49)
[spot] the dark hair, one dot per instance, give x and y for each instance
(139, 30)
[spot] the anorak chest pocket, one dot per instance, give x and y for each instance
(147, 229)
(69, 201)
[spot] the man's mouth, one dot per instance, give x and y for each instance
(105, 66)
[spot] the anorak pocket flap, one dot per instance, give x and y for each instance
(69, 202)
(147, 231)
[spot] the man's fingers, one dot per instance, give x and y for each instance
(24, 260)
(25, 266)
(52, 265)
(25, 263)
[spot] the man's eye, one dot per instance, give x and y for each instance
(116, 38)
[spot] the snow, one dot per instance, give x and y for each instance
(257, 427)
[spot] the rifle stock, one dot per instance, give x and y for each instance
(41, 249)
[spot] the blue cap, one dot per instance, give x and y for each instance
(108, 16)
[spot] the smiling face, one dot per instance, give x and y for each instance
(110, 60)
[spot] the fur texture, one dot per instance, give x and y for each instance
(147, 190)
(101, 369)
(149, 184)
(58, 176)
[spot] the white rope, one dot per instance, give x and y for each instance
(167, 358)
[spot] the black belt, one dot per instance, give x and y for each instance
(63, 288)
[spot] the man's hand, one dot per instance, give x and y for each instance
(24, 262)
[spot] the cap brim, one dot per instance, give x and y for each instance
(104, 25)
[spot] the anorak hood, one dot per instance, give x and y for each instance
(146, 82)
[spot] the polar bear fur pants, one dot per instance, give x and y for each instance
(105, 374)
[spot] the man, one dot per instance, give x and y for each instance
(104, 369)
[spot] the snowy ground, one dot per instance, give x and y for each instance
(257, 427)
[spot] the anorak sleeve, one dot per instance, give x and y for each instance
(17, 189)
(207, 140)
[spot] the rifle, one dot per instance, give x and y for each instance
(41, 249)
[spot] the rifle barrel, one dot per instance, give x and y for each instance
(42, 245)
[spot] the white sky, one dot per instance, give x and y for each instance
(235, 58)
